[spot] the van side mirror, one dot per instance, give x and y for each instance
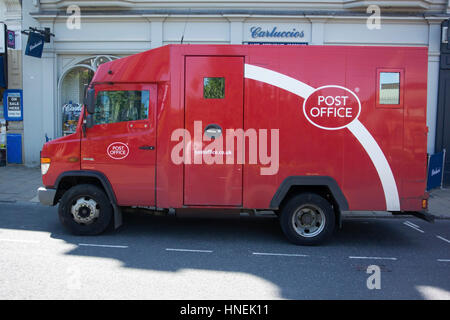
(89, 120)
(90, 101)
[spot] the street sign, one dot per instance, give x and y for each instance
(435, 170)
(13, 105)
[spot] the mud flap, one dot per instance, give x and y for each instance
(117, 216)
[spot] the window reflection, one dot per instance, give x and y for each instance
(120, 106)
(389, 88)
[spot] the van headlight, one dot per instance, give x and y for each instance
(45, 165)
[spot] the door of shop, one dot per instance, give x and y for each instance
(443, 115)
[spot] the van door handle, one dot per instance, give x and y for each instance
(147, 147)
(213, 131)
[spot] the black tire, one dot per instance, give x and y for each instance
(85, 191)
(309, 203)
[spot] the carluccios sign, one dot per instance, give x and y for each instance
(35, 45)
(259, 33)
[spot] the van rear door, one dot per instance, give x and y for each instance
(213, 104)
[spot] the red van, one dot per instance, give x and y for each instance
(304, 131)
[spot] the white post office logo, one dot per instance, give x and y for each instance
(118, 150)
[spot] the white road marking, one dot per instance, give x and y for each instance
(102, 245)
(442, 238)
(279, 254)
(413, 227)
(443, 260)
(189, 250)
(373, 258)
(19, 240)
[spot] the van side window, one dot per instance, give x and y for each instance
(119, 106)
(389, 90)
(214, 88)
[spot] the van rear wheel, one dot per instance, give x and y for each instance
(307, 219)
(85, 210)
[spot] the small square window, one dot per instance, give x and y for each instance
(389, 88)
(214, 88)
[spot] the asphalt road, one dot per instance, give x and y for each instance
(155, 257)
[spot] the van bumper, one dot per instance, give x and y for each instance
(46, 196)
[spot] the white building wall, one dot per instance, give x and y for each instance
(33, 107)
(122, 35)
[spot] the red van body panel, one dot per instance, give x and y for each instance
(378, 160)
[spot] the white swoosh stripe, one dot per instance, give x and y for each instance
(356, 128)
(380, 162)
(278, 80)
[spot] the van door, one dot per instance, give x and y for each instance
(213, 104)
(122, 143)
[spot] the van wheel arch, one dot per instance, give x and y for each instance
(70, 179)
(324, 186)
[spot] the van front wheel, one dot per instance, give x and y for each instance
(307, 219)
(85, 210)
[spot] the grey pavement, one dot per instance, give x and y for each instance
(19, 184)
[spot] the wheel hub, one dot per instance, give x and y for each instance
(308, 221)
(85, 210)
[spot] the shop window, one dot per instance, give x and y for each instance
(120, 106)
(72, 91)
(390, 88)
(214, 88)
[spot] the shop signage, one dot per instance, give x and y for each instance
(280, 33)
(257, 32)
(435, 170)
(11, 39)
(12, 105)
(35, 45)
(276, 42)
(71, 113)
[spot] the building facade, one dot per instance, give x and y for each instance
(88, 33)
